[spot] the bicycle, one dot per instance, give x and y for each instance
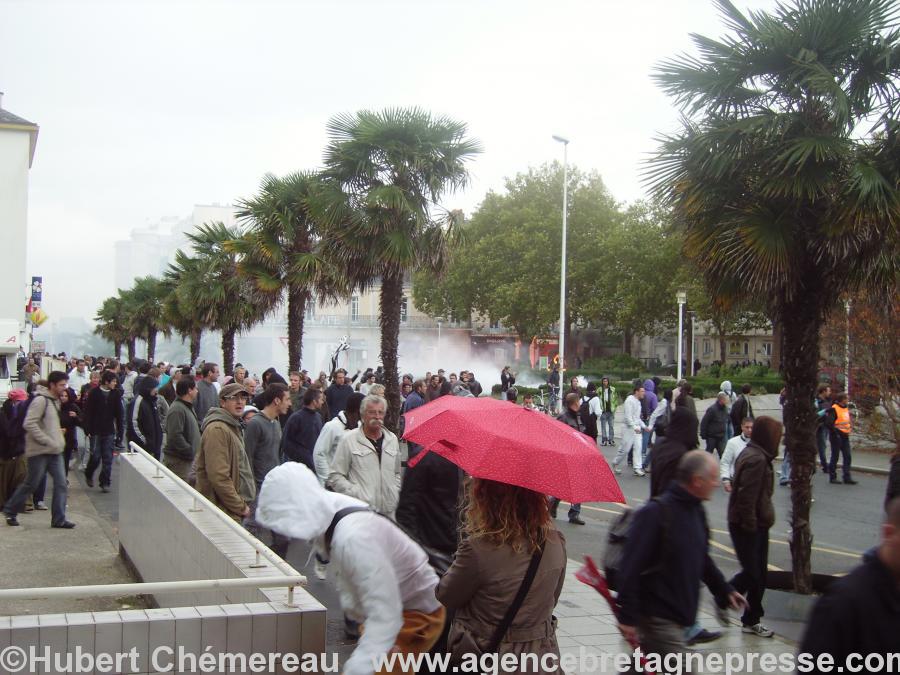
(543, 401)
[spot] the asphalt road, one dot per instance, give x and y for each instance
(845, 522)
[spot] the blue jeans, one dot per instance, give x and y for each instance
(606, 427)
(822, 442)
(38, 467)
(645, 448)
(785, 468)
(101, 451)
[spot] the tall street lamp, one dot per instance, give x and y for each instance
(681, 297)
(562, 275)
(847, 350)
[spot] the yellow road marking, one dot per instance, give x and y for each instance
(820, 549)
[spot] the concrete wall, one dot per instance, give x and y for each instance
(14, 152)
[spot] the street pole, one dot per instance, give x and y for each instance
(562, 275)
(681, 297)
(847, 350)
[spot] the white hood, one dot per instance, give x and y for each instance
(293, 503)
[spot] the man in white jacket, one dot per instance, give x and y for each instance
(631, 436)
(383, 577)
(332, 433)
(366, 464)
(733, 450)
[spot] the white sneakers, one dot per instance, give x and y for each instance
(321, 571)
(640, 473)
(759, 630)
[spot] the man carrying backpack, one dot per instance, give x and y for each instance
(12, 442)
(44, 445)
(659, 601)
(571, 417)
(590, 411)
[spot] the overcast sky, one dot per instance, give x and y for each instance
(146, 109)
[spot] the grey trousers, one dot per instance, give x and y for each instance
(661, 636)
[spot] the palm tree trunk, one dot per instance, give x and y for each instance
(196, 335)
(117, 348)
(297, 299)
(627, 337)
(151, 345)
(802, 320)
(228, 351)
(390, 301)
(132, 348)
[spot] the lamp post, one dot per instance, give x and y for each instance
(681, 297)
(439, 320)
(562, 274)
(847, 350)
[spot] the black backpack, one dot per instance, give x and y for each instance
(588, 419)
(620, 530)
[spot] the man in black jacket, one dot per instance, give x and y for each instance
(659, 601)
(680, 438)
(302, 430)
(860, 613)
(570, 417)
(104, 422)
(714, 427)
(428, 509)
(336, 395)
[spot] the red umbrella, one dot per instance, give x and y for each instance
(501, 441)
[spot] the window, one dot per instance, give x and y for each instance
(767, 348)
(404, 309)
(734, 348)
(310, 313)
(746, 349)
(354, 308)
(707, 347)
(495, 324)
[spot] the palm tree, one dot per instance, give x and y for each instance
(278, 252)
(222, 298)
(386, 173)
(111, 325)
(127, 318)
(147, 319)
(183, 318)
(785, 180)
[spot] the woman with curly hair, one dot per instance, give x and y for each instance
(511, 551)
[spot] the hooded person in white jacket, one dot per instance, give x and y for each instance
(383, 577)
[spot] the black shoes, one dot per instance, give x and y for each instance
(88, 480)
(576, 521)
(12, 521)
(64, 525)
(704, 636)
(850, 481)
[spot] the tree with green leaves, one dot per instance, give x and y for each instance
(181, 316)
(219, 296)
(385, 177)
(111, 324)
(784, 180)
(145, 310)
(279, 253)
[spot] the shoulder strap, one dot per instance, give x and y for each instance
(337, 518)
(517, 602)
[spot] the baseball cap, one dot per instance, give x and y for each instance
(232, 390)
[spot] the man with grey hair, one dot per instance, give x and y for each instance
(659, 588)
(366, 464)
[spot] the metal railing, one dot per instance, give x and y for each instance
(150, 588)
(201, 503)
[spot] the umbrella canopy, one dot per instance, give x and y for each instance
(501, 441)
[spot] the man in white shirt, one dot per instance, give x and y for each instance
(383, 577)
(631, 436)
(733, 450)
(79, 376)
(332, 433)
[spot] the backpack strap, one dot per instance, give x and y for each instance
(517, 602)
(337, 518)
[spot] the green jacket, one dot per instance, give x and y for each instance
(613, 399)
(182, 431)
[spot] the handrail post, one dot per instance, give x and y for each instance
(290, 598)
(258, 562)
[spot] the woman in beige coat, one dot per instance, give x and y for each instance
(505, 526)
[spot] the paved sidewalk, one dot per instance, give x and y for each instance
(34, 555)
(586, 622)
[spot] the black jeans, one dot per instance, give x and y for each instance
(752, 549)
(102, 456)
(715, 443)
(840, 443)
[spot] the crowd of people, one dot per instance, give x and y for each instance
(424, 556)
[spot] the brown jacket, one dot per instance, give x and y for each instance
(750, 504)
(218, 462)
(481, 585)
